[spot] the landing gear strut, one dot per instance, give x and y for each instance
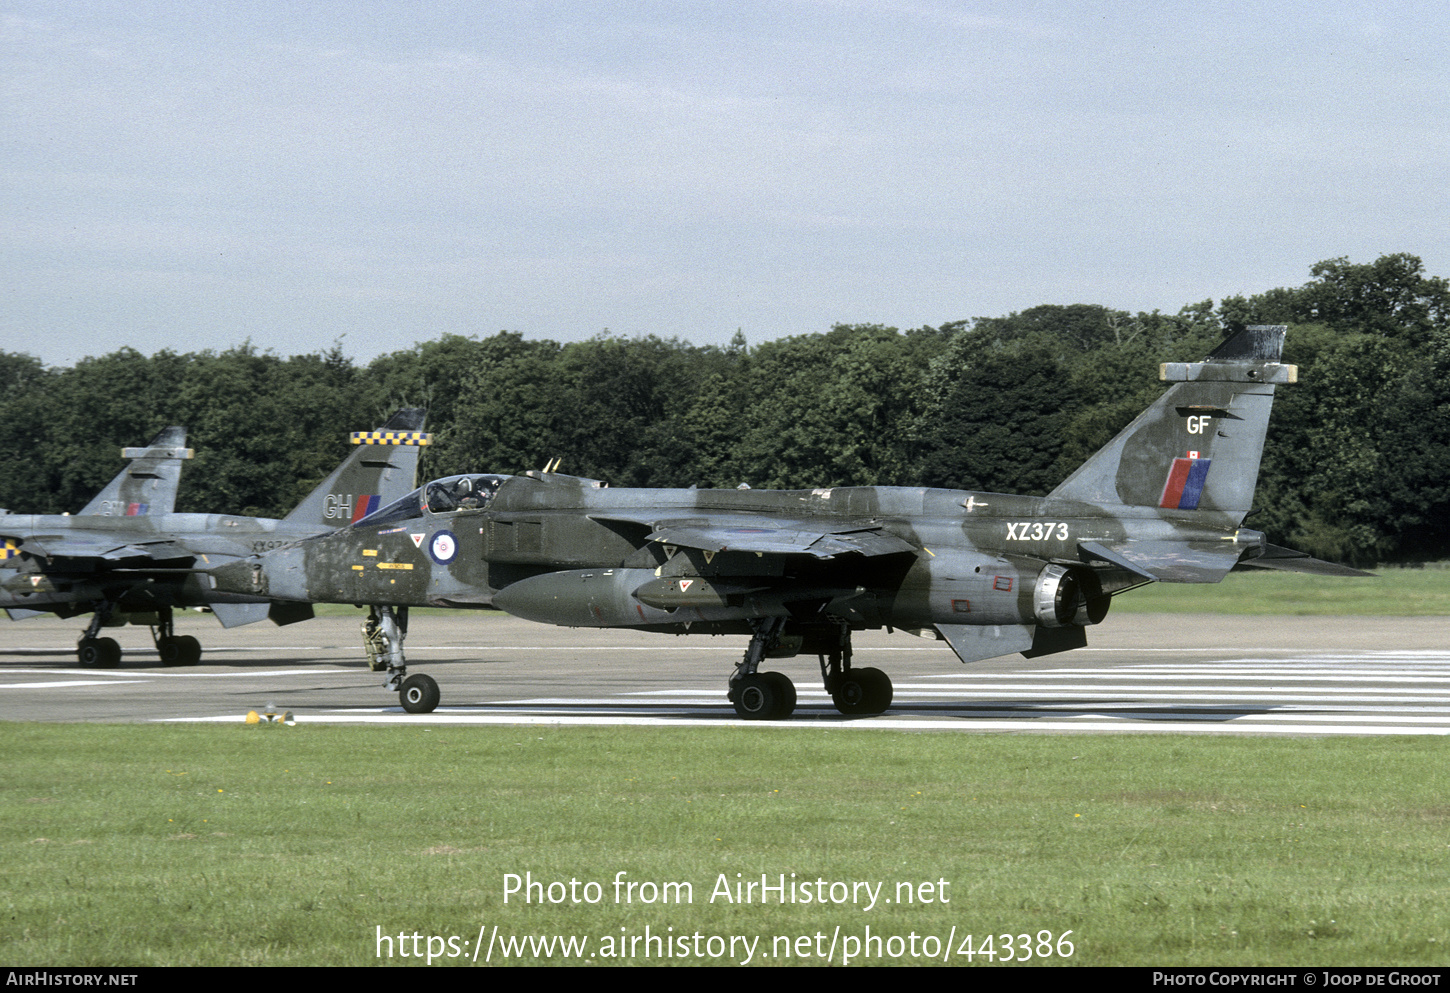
(185, 650)
(770, 696)
(98, 653)
(855, 692)
(383, 634)
(761, 696)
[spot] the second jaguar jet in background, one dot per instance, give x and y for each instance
(129, 556)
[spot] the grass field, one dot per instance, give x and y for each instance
(168, 845)
(206, 845)
(1391, 591)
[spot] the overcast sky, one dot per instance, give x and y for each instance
(191, 175)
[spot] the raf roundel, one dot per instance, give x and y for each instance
(443, 547)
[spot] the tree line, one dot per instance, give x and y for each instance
(1356, 468)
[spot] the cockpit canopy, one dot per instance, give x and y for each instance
(441, 496)
(460, 493)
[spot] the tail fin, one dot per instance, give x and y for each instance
(1198, 447)
(148, 485)
(381, 470)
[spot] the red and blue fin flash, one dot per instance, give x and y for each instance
(367, 503)
(1185, 482)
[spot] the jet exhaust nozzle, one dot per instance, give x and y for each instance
(1064, 596)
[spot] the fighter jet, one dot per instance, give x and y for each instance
(128, 557)
(800, 570)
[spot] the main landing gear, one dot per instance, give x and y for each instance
(104, 653)
(761, 696)
(184, 650)
(383, 634)
(771, 696)
(94, 652)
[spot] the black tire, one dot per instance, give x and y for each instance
(169, 651)
(863, 692)
(190, 649)
(880, 691)
(89, 653)
(785, 694)
(99, 653)
(755, 698)
(419, 694)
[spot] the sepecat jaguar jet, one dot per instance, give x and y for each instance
(128, 557)
(800, 570)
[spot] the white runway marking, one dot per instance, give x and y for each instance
(1337, 693)
(441, 717)
(183, 673)
(68, 682)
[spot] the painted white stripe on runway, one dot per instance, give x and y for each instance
(69, 682)
(1336, 693)
(1136, 691)
(1028, 719)
(832, 721)
(939, 647)
(973, 706)
(1094, 694)
(1132, 711)
(183, 672)
(1216, 676)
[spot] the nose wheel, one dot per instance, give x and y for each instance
(419, 694)
(383, 635)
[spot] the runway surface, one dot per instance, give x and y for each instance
(1141, 673)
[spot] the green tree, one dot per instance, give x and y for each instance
(25, 473)
(995, 419)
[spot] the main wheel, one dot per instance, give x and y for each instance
(190, 650)
(419, 694)
(862, 692)
(169, 651)
(99, 653)
(755, 697)
(784, 694)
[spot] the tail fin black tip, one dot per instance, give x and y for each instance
(1255, 343)
(172, 437)
(407, 419)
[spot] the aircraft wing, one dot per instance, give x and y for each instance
(1200, 562)
(106, 548)
(767, 535)
(1288, 560)
(1166, 561)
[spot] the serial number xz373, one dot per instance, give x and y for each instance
(1036, 531)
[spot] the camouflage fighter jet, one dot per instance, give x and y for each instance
(800, 570)
(128, 556)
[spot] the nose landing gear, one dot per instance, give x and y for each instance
(383, 635)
